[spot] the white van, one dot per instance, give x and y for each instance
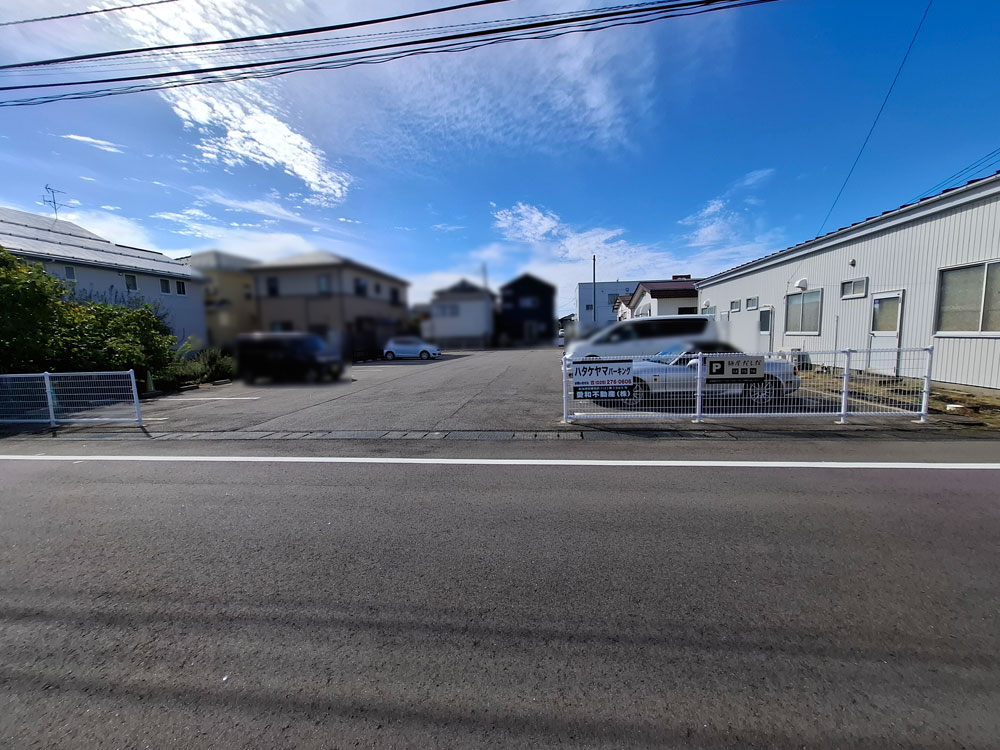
(643, 336)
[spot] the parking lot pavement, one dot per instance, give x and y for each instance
(298, 605)
(483, 390)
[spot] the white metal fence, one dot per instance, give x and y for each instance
(841, 384)
(58, 397)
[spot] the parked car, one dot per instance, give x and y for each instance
(286, 355)
(643, 336)
(409, 346)
(672, 375)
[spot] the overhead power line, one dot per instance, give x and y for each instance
(94, 12)
(878, 115)
(256, 37)
(582, 21)
(982, 164)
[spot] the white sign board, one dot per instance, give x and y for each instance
(595, 378)
(733, 368)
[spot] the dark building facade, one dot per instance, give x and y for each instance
(527, 310)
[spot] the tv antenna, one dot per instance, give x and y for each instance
(51, 200)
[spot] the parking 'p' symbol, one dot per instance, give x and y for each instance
(716, 368)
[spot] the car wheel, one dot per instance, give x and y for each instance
(425, 355)
(249, 378)
(762, 393)
(389, 355)
(640, 394)
(335, 372)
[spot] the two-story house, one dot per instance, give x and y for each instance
(528, 310)
(355, 307)
(461, 317)
(97, 270)
(230, 304)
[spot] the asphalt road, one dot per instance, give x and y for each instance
(272, 605)
(513, 389)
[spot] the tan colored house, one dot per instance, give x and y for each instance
(353, 306)
(230, 306)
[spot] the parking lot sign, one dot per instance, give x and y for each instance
(602, 379)
(736, 368)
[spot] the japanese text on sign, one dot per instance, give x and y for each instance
(734, 369)
(597, 374)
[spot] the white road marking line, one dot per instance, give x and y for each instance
(216, 398)
(557, 462)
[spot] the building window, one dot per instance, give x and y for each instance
(753, 303)
(710, 310)
(612, 298)
(854, 289)
(361, 287)
(969, 299)
(164, 286)
(529, 303)
(131, 283)
(393, 295)
(803, 312)
(70, 274)
(686, 310)
(588, 307)
(181, 287)
(764, 319)
(734, 306)
(378, 288)
(272, 286)
(323, 283)
(446, 310)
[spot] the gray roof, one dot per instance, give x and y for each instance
(743, 267)
(47, 239)
(218, 260)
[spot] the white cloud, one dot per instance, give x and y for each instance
(113, 227)
(237, 123)
(112, 208)
(750, 179)
(88, 179)
(524, 223)
(447, 227)
(115, 148)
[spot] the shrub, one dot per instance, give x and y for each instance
(218, 366)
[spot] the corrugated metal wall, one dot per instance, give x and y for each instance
(906, 257)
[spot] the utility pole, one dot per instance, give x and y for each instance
(486, 284)
(594, 290)
(50, 200)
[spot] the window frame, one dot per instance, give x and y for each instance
(165, 286)
(752, 303)
(819, 327)
(69, 274)
(770, 320)
(272, 290)
(135, 282)
(180, 287)
(323, 284)
(360, 287)
(938, 333)
(853, 294)
(735, 305)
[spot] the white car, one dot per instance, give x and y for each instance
(409, 347)
(643, 336)
(561, 337)
(672, 375)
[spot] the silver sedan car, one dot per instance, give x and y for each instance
(672, 375)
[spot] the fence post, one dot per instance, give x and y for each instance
(845, 387)
(925, 401)
(700, 393)
(49, 399)
(565, 383)
(135, 397)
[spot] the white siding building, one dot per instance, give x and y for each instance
(461, 317)
(595, 304)
(102, 271)
(924, 274)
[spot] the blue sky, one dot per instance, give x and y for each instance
(685, 146)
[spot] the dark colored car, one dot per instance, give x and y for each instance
(290, 355)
